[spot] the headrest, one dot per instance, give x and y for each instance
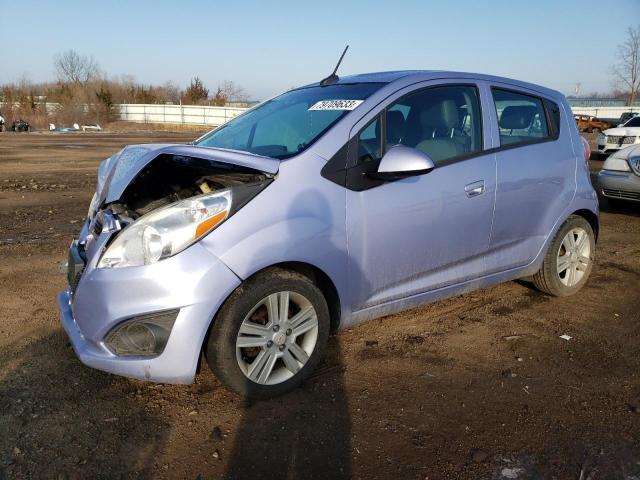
(395, 126)
(441, 115)
(517, 117)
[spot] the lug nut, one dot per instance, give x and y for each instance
(276, 328)
(281, 347)
(288, 331)
(269, 344)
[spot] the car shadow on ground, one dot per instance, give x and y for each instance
(303, 434)
(62, 420)
(306, 433)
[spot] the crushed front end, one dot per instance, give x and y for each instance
(142, 317)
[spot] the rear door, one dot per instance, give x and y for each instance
(536, 167)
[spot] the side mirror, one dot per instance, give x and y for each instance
(401, 162)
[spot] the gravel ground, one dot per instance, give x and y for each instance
(477, 386)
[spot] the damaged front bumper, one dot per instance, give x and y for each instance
(195, 282)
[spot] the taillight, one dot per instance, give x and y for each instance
(586, 150)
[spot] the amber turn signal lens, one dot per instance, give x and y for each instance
(209, 223)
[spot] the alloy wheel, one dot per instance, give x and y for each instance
(574, 256)
(277, 338)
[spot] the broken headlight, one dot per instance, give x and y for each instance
(167, 231)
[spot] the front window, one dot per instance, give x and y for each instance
(288, 124)
(443, 122)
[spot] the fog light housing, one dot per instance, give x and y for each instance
(143, 336)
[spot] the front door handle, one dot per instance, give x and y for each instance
(475, 188)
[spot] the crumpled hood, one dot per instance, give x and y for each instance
(118, 171)
(623, 131)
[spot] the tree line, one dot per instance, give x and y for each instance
(83, 93)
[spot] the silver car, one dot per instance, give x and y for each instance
(619, 179)
(330, 205)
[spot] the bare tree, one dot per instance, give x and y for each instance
(232, 92)
(627, 71)
(75, 68)
(229, 92)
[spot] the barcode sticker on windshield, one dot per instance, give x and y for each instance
(336, 105)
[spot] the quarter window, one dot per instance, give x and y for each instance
(369, 144)
(521, 118)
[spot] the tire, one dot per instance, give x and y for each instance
(568, 281)
(248, 308)
(595, 130)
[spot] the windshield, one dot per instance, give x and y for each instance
(286, 125)
(634, 122)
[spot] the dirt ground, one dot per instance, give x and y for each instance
(477, 386)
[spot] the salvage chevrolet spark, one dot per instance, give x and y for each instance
(332, 204)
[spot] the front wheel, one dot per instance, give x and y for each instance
(569, 259)
(269, 335)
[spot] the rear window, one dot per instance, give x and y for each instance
(521, 117)
(634, 122)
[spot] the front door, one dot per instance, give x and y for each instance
(420, 233)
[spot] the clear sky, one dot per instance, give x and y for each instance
(268, 47)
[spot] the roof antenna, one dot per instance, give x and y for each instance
(333, 78)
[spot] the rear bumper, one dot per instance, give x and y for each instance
(619, 185)
(194, 281)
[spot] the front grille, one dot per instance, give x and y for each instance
(75, 265)
(621, 194)
(620, 139)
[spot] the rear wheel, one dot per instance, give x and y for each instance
(569, 259)
(269, 335)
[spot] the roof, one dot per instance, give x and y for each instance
(409, 76)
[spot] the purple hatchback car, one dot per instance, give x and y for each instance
(329, 205)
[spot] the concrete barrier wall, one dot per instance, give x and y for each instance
(181, 114)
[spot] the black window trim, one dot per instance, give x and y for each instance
(543, 100)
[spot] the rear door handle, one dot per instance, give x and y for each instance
(475, 188)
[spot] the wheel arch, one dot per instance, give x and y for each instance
(317, 276)
(323, 282)
(590, 217)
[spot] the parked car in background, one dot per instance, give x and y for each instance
(590, 124)
(614, 139)
(625, 117)
(327, 206)
(619, 178)
(20, 126)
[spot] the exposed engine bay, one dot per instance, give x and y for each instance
(170, 178)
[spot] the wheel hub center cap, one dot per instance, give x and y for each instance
(279, 338)
(574, 256)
